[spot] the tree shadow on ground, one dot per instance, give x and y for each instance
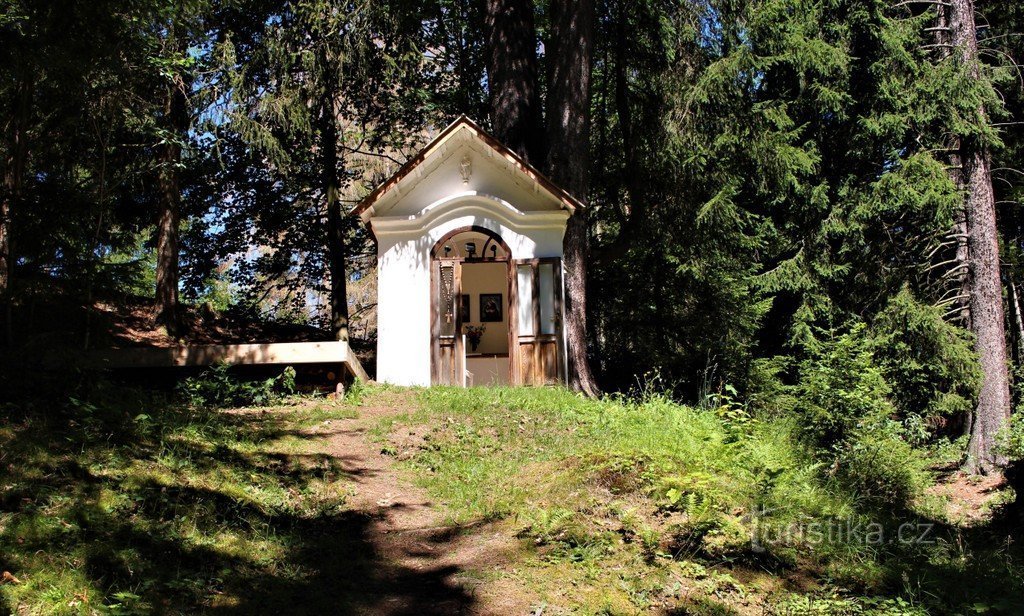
(348, 575)
(954, 569)
(975, 566)
(166, 515)
(938, 566)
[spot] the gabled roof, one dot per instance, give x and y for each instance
(464, 123)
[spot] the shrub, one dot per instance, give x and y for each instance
(718, 536)
(881, 467)
(929, 363)
(1011, 444)
(840, 389)
(1011, 438)
(847, 414)
(694, 494)
(218, 388)
(729, 538)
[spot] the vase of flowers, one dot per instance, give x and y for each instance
(474, 333)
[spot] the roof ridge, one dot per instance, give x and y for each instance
(568, 201)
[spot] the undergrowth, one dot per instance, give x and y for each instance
(218, 388)
(603, 488)
(119, 500)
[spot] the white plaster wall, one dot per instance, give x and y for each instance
(403, 316)
(403, 262)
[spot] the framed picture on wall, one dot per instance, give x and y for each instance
(490, 308)
(464, 308)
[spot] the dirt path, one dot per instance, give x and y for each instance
(431, 567)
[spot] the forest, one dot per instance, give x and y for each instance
(799, 212)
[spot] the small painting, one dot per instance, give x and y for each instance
(464, 316)
(490, 308)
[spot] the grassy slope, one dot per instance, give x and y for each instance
(126, 502)
(122, 501)
(636, 506)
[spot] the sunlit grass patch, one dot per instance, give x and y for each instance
(608, 492)
(310, 412)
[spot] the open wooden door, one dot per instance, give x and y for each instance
(446, 353)
(538, 307)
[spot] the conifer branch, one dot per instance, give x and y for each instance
(950, 300)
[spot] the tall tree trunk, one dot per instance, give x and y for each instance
(987, 320)
(335, 216)
(512, 77)
(14, 174)
(176, 124)
(570, 49)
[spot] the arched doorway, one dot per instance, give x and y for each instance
(473, 308)
(476, 283)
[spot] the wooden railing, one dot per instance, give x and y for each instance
(282, 353)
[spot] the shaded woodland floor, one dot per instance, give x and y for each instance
(122, 500)
(290, 510)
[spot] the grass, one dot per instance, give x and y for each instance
(633, 506)
(119, 500)
(123, 501)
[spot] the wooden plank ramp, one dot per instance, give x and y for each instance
(280, 353)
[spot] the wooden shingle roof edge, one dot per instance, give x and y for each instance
(568, 201)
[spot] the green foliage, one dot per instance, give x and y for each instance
(810, 605)
(694, 494)
(793, 177)
(685, 460)
(733, 413)
(218, 387)
(677, 484)
(309, 123)
(841, 390)
(67, 72)
(1011, 439)
(771, 168)
(130, 269)
(879, 466)
(929, 363)
(136, 502)
(218, 294)
(762, 171)
(846, 413)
